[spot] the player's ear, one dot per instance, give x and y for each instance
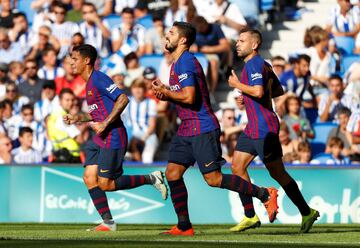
(87, 60)
(183, 41)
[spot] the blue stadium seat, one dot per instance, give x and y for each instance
(266, 5)
(25, 6)
(322, 157)
(345, 45)
(317, 148)
(347, 60)
(311, 114)
(146, 21)
(249, 9)
(113, 20)
(203, 61)
(152, 60)
(322, 131)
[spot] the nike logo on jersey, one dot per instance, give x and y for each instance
(208, 164)
(103, 171)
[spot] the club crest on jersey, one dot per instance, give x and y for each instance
(255, 76)
(111, 88)
(182, 77)
(89, 93)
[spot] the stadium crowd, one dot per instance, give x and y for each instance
(319, 113)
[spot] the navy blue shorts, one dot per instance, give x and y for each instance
(109, 161)
(204, 149)
(268, 149)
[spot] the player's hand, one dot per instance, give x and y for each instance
(158, 86)
(233, 80)
(70, 119)
(98, 127)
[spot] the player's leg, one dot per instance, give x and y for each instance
(180, 158)
(97, 195)
(241, 161)
(272, 158)
(110, 172)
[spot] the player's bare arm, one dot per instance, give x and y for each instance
(119, 107)
(186, 95)
(72, 119)
(255, 91)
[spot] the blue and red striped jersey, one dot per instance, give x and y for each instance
(261, 116)
(101, 94)
(199, 117)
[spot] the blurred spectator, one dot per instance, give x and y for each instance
(119, 79)
(289, 147)
(61, 29)
(3, 130)
(228, 146)
(21, 33)
(320, 63)
(344, 20)
(26, 154)
(341, 132)
(7, 113)
(298, 126)
(5, 150)
(6, 14)
(227, 124)
(104, 7)
(333, 100)
(353, 73)
(9, 51)
(75, 14)
(43, 15)
(278, 64)
(50, 70)
(133, 68)
(297, 81)
(179, 10)
(157, 7)
(141, 13)
(49, 101)
(336, 146)
(353, 127)
(121, 4)
(32, 84)
(164, 68)
(70, 80)
(211, 41)
(95, 31)
(141, 113)
(203, 7)
(16, 69)
(44, 42)
(228, 16)
(12, 94)
(303, 153)
(76, 40)
(155, 37)
(66, 139)
(127, 36)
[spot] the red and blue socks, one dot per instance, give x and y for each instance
(101, 204)
(293, 192)
(130, 182)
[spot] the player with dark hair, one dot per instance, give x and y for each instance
(198, 137)
(105, 154)
(259, 85)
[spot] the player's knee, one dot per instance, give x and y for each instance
(172, 174)
(105, 184)
(238, 170)
(90, 180)
(213, 179)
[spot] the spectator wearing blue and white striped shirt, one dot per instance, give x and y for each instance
(141, 117)
(50, 70)
(25, 154)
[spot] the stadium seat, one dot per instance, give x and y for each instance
(266, 5)
(113, 20)
(347, 60)
(311, 114)
(25, 6)
(249, 9)
(345, 45)
(322, 131)
(146, 21)
(322, 157)
(152, 60)
(203, 61)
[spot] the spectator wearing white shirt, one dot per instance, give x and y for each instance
(50, 70)
(127, 36)
(121, 4)
(26, 154)
(95, 31)
(49, 101)
(141, 115)
(155, 37)
(353, 127)
(61, 29)
(104, 7)
(12, 94)
(5, 150)
(333, 100)
(9, 51)
(179, 11)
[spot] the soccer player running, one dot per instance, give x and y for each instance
(105, 154)
(258, 86)
(198, 137)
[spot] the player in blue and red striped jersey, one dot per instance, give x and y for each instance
(105, 154)
(198, 137)
(259, 85)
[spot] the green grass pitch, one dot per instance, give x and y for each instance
(74, 235)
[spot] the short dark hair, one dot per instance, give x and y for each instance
(336, 141)
(47, 50)
(129, 57)
(335, 77)
(255, 33)
(65, 91)
(23, 130)
(305, 57)
(19, 14)
(186, 30)
(58, 4)
(127, 10)
(89, 4)
(87, 51)
(27, 106)
(344, 111)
